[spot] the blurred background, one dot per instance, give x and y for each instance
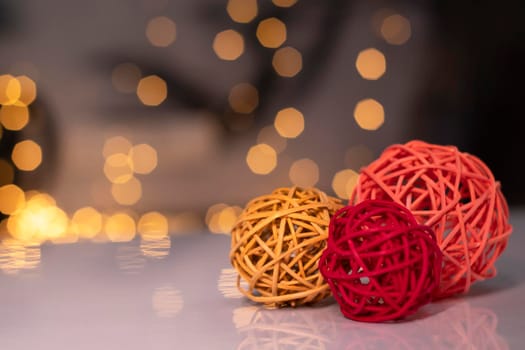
(150, 118)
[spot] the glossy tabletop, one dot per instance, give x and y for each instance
(180, 294)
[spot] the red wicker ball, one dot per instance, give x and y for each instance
(456, 194)
(380, 264)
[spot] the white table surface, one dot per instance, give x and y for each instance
(111, 296)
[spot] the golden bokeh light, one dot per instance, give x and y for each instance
(228, 45)
(220, 218)
(153, 224)
(304, 173)
(396, 29)
(5, 79)
(289, 122)
(271, 32)
(284, 3)
(167, 302)
(125, 77)
(116, 144)
(261, 159)
(269, 136)
(243, 98)
(213, 211)
(127, 193)
(157, 247)
(227, 218)
(120, 227)
(10, 89)
(27, 155)
(12, 199)
(7, 173)
(14, 117)
(86, 222)
(143, 158)
(40, 199)
(39, 220)
(369, 114)
(242, 11)
(287, 61)
(161, 31)
(371, 64)
(118, 169)
(27, 91)
(152, 90)
(344, 182)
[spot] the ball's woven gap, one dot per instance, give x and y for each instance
(456, 194)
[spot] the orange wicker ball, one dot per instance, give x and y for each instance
(452, 192)
(276, 245)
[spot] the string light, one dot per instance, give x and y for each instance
(344, 182)
(271, 32)
(243, 98)
(117, 168)
(242, 11)
(127, 193)
(369, 114)
(39, 220)
(153, 224)
(116, 144)
(284, 3)
(228, 45)
(152, 90)
(14, 117)
(27, 155)
(396, 29)
(86, 222)
(289, 122)
(12, 199)
(371, 64)
(261, 159)
(161, 31)
(220, 218)
(10, 89)
(287, 62)
(143, 158)
(304, 173)
(27, 91)
(120, 227)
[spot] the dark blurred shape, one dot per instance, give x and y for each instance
(7, 17)
(473, 90)
(322, 19)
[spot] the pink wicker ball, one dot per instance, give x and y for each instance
(456, 194)
(380, 264)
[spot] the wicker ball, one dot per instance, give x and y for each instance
(381, 265)
(276, 245)
(454, 193)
